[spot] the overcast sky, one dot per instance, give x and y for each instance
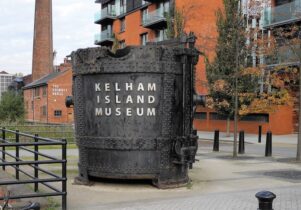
(73, 28)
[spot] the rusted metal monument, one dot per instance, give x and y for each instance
(134, 111)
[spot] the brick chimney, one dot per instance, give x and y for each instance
(42, 61)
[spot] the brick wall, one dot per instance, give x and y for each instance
(58, 89)
(280, 122)
(42, 63)
(34, 100)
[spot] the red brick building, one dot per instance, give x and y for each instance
(44, 98)
(46, 89)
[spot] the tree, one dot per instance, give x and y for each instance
(116, 44)
(11, 106)
(223, 72)
(233, 81)
(288, 48)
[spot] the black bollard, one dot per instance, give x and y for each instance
(259, 133)
(265, 200)
(268, 146)
(241, 146)
(216, 141)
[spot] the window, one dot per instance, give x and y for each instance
(122, 44)
(164, 7)
(122, 6)
(256, 118)
(216, 116)
(143, 39)
(57, 113)
(44, 91)
(161, 35)
(144, 14)
(122, 25)
(200, 115)
(43, 110)
(37, 92)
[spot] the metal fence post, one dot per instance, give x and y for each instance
(3, 148)
(268, 146)
(36, 158)
(64, 174)
(17, 153)
(259, 133)
(265, 200)
(241, 146)
(216, 141)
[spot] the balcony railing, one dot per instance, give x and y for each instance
(122, 10)
(104, 36)
(284, 56)
(104, 14)
(154, 17)
(286, 13)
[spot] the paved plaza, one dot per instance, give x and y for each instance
(218, 181)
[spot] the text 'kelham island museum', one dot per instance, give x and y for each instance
(126, 96)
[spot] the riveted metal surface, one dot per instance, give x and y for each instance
(131, 109)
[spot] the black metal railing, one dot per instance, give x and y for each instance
(11, 158)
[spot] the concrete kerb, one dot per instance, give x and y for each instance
(250, 138)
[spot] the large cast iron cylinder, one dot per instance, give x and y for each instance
(134, 112)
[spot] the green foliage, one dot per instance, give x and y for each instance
(116, 44)
(43, 130)
(223, 71)
(175, 23)
(11, 107)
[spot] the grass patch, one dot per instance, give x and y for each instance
(189, 185)
(69, 146)
(52, 204)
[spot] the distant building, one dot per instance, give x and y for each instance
(46, 88)
(27, 79)
(5, 81)
(44, 98)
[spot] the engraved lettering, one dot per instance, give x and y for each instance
(151, 99)
(140, 99)
(151, 112)
(97, 87)
(151, 87)
(128, 112)
(107, 100)
(107, 87)
(128, 86)
(140, 87)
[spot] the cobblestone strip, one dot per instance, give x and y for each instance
(288, 198)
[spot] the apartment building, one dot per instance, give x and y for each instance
(5, 80)
(283, 15)
(137, 22)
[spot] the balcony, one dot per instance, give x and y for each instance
(283, 14)
(154, 1)
(104, 16)
(284, 56)
(155, 20)
(144, 3)
(105, 38)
